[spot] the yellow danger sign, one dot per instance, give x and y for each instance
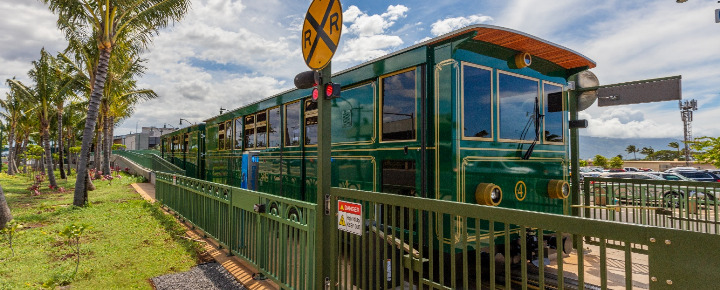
(321, 32)
(342, 221)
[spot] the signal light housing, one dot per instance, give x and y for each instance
(307, 79)
(315, 94)
(332, 90)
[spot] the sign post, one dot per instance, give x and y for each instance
(320, 38)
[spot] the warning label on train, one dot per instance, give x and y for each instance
(350, 217)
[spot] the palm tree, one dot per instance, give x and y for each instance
(647, 151)
(14, 110)
(675, 145)
(107, 23)
(49, 86)
(121, 96)
(632, 149)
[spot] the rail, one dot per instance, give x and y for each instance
(685, 205)
(150, 160)
(273, 233)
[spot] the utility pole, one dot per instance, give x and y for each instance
(686, 113)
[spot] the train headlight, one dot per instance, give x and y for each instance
(558, 189)
(488, 194)
(523, 59)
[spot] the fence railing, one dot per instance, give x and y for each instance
(420, 243)
(686, 205)
(273, 233)
(150, 160)
(409, 242)
(160, 164)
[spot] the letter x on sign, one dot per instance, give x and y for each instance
(320, 38)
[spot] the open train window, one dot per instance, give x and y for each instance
(238, 133)
(250, 132)
(552, 95)
(261, 130)
(292, 124)
(273, 127)
(398, 106)
(517, 96)
(477, 121)
(228, 135)
(221, 136)
(311, 122)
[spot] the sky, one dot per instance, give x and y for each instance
(228, 53)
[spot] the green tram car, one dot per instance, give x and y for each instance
(478, 115)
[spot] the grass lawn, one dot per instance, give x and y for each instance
(128, 240)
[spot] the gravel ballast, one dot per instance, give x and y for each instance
(204, 276)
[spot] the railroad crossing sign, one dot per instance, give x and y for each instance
(321, 32)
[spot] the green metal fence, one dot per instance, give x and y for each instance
(685, 205)
(149, 160)
(413, 243)
(273, 233)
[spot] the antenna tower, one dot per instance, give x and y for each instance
(686, 112)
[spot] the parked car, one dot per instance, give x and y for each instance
(670, 176)
(699, 176)
(676, 169)
(631, 169)
(636, 191)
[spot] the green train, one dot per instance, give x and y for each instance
(478, 115)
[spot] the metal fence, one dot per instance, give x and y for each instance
(407, 242)
(273, 233)
(150, 160)
(419, 243)
(685, 205)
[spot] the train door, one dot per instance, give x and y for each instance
(402, 141)
(250, 168)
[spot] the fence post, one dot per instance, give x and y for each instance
(325, 241)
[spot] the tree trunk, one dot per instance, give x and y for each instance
(61, 161)
(80, 197)
(48, 152)
(108, 145)
(24, 149)
(97, 158)
(5, 215)
(11, 151)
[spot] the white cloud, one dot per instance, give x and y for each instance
(449, 24)
(25, 28)
(366, 36)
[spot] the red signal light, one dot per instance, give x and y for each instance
(329, 89)
(315, 94)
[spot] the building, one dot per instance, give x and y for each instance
(148, 138)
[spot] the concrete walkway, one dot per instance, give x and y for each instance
(241, 270)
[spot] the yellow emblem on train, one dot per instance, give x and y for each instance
(520, 190)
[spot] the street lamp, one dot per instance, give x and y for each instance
(181, 119)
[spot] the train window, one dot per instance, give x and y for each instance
(238, 133)
(186, 142)
(398, 106)
(274, 127)
(398, 177)
(476, 101)
(353, 115)
(221, 136)
(311, 121)
(250, 132)
(292, 124)
(516, 101)
(228, 135)
(553, 120)
(261, 130)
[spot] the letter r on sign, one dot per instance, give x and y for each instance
(308, 35)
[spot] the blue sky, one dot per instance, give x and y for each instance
(229, 53)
